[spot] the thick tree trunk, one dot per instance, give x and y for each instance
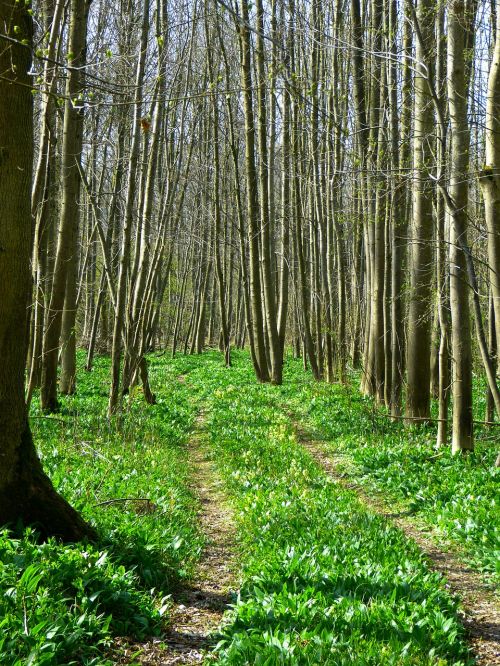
(26, 493)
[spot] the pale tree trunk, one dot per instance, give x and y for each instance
(442, 237)
(138, 292)
(462, 438)
(419, 325)
(124, 263)
(303, 308)
(490, 404)
(63, 295)
(43, 194)
(319, 231)
(286, 205)
(285, 224)
(26, 493)
(219, 268)
(399, 219)
(376, 198)
(309, 351)
(267, 245)
(233, 143)
(388, 299)
(360, 105)
(490, 177)
(337, 271)
(463, 246)
(262, 369)
(107, 268)
(336, 245)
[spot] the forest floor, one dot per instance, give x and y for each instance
(349, 538)
(479, 606)
(199, 607)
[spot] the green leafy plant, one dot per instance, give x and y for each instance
(323, 581)
(62, 604)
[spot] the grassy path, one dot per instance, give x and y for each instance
(456, 497)
(324, 581)
(481, 609)
(199, 607)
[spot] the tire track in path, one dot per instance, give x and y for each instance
(480, 611)
(199, 606)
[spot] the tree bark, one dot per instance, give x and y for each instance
(252, 199)
(462, 435)
(26, 493)
(419, 325)
(490, 177)
(63, 295)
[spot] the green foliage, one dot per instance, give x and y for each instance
(324, 582)
(62, 604)
(456, 495)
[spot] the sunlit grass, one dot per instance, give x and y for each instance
(129, 477)
(324, 582)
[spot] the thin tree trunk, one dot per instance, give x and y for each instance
(462, 436)
(419, 325)
(124, 265)
(63, 295)
(252, 198)
(490, 176)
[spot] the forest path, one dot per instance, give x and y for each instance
(480, 607)
(199, 606)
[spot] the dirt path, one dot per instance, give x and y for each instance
(198, 609)
(480, 606)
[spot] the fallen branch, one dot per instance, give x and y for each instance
(431, 420)
(124, 499)
(50, 418)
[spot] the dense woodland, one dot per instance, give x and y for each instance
(311, 180)
(320, 175)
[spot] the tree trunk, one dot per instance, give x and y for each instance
(124, 264)
(419, 325)
(26, 493)
(490, 177)
(63, 295)
(458, 189)
(252, 199)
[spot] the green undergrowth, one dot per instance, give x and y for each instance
(323, 580)
(62, 604)
(456, 495)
